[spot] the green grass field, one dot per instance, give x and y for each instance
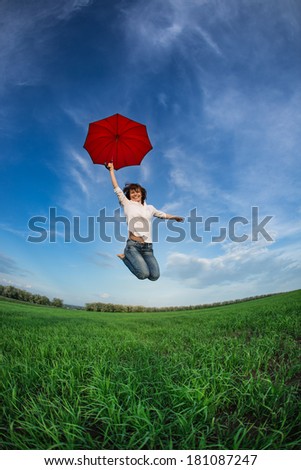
(218, 378)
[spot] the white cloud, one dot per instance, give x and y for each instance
(14, 283)
(259, 265)
(104, 296)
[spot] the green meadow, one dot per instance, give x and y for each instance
(226, 377)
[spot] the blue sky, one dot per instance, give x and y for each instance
(218, 84)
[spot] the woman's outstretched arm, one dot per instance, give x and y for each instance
(174, 217)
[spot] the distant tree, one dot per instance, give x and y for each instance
(11, 292)
(25, 296)
(41, 299)
(57, 302)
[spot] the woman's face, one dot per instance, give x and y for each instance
(135, 195)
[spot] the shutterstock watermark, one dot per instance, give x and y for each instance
(106, 228)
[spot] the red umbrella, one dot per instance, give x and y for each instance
(117, 139)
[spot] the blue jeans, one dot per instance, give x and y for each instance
(140, 260)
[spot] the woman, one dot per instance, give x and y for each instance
(138, 254)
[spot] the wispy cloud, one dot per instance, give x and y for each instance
(189, 173)
(240, 119)
(249, 152)
(102, 259)
(162, 26)
(81, 181)
(26, 29)
(159, 27)
(11, 229)
(209, 41)
(9, 266)
(264, 129)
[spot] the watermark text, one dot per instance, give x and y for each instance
(111, 227)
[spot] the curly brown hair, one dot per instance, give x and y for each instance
(136, 187)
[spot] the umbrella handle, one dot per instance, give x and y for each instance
(107, 163)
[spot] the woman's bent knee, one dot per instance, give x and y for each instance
(142, 276)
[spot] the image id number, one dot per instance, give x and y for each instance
(221, 459)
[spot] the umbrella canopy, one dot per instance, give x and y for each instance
(117, 139)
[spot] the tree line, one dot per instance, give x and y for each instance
(25, 296)
(107, 307)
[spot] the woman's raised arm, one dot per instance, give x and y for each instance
(110, 167)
